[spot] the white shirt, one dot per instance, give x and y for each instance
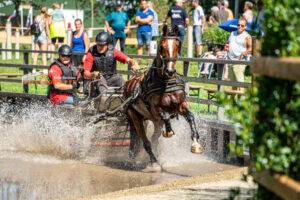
(237, 44)
(248, 15)
(198, 13)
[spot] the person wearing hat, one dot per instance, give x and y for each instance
(102, 58)
(63, 78)
(117, 23)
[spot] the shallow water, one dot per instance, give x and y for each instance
(44, 155)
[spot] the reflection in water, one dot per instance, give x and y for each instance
(33, 181)
(9, 191)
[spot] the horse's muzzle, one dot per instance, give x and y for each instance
(170, 70)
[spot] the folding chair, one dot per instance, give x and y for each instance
(206, 69)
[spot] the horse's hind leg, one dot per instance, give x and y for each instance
(139, 127)
(135, 143)
(196, 147)
(166, 118)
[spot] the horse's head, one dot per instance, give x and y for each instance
(169, 48)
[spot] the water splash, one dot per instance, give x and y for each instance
(35, 128)
(177, 149)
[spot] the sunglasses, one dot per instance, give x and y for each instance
(101, 45)
(65, 56)
(241, 25)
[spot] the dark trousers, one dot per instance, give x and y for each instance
(122, 43)
(94, 88)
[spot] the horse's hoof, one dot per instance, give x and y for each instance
(151, 168)
(196, 148)
(168, 134)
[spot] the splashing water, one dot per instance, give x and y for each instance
(177, 150)
(37, 129)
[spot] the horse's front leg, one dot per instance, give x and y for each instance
(196, 146)
(166, 119)
(158, 125)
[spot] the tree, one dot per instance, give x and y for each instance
(18, 3)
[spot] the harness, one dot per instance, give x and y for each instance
(156, 85)
(104, 63)
(68, 76)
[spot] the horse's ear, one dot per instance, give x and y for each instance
(175, 30)
(165, 30)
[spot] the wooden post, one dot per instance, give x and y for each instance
(189, 52)
(22, 20)
(17, 47)
(190, 41)
(26, 71)
(32, 46)
(221, 110)
(8, 39)
(69, 33)
(3, 52)
(236, 9)
(90, 33)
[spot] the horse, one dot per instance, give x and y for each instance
(162, 98)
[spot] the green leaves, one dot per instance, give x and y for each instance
(215, 35)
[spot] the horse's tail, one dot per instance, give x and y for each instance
(131, 84)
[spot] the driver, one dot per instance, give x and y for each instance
(102, 58)
(63, 78)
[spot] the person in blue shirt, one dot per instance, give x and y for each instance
(144, 18)
(80, 43)
(117, 23)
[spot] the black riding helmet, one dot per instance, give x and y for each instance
(103, 38)
(65, 50)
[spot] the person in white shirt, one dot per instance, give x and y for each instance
(239, 46)
(198, 22)
(248, 14)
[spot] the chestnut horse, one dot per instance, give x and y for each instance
(162, 97)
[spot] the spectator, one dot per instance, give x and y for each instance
(198, 22)
(117, 23)
(227, 9)
(213, 18)
(29, 17)
(222, 14)
(57, 25)
(40, 37)
(248, 14)
(260, 16)
(239, 46)
(79, 43)
(178, 17)
(144, 18)
(154, 25)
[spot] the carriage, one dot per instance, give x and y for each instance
(162, 98)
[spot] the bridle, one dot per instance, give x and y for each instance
(164, 59)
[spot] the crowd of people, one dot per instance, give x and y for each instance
(103, 56)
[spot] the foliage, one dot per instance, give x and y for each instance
(215, 35)
(283, 24)
(269, 115)
(103, 7)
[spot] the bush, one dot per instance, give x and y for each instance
(269, 113)
(215, 35)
